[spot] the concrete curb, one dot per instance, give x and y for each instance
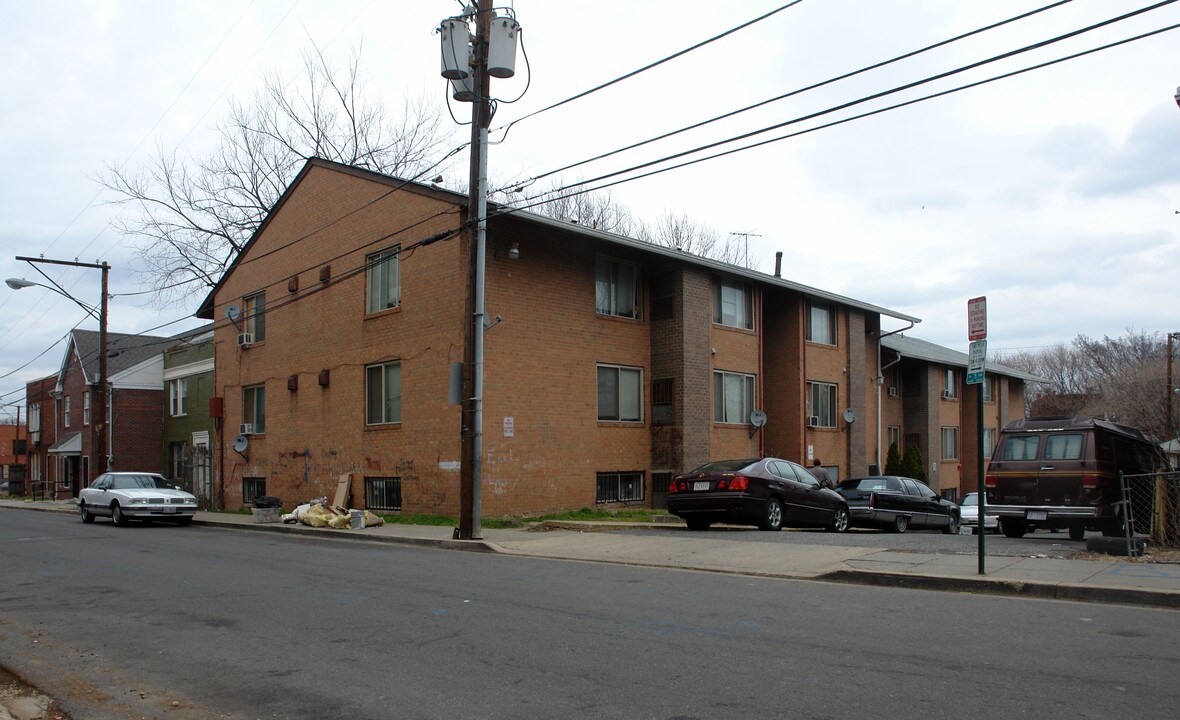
(327, 533)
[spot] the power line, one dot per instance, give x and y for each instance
(868, 98)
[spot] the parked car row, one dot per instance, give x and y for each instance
(771, 493)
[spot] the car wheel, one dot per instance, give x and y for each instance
(1077, 532)
(87, 516)
(952, 528)
(1014, 528)
(697, 524)
(999, 527)
(772, 517)
(901, 523)
(840, 520)
(117, 515)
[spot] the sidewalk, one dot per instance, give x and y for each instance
(1117, 580)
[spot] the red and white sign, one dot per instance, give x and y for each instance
(977, 318)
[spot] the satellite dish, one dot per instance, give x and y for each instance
(757, 418)
(849, 415)
(232, 312)
(240, 443)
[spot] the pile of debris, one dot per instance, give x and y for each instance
(319, 513)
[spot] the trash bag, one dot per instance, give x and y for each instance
(372, 520)
(267, 501)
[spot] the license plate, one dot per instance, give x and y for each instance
(700, 485)
(1038, 515)
(168, 510)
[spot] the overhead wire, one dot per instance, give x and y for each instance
(867, 98)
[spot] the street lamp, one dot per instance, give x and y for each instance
(99, 440)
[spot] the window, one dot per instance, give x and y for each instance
(619, 487)
(254, 310)
(1063, 447)
(989, 388)
(178, 397)
(950, 388)
(620, 393)
(894, 437)
(1021, 447)
(821, 403)
(383, 493)
(821, 323)
(950, 443)
(86, 408)
(616, 288)
(383, 280)
(733, 303)
(989, 442)
(252, 487)
(383, 393)
(66, 414)
(661, 401)
(733, 397)
(254, 407)
(34, 419)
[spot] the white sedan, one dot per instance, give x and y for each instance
(124, 496)
(969, 515)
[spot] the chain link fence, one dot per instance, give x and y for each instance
(1151, 503)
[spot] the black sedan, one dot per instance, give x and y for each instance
(766, 492)
(897, 504)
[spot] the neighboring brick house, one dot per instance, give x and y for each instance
(13, 455)
(926, 403)
(135, 381)
(41, 421)
(609, 365)
(187, 426)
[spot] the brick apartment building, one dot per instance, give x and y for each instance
(610, 364)
(63, 430)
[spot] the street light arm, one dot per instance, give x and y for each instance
(20, 284)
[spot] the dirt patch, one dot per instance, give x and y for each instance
(1153, 555)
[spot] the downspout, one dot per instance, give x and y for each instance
(761, 401)
(881, 379)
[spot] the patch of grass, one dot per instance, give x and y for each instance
(585, 514)
(421, 520)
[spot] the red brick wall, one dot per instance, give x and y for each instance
(137, 430)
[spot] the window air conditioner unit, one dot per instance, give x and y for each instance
(947, 394)
(246, 429)
(245, 339)
(893, 392)
(813, 421)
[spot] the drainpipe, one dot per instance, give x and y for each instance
(881, 379)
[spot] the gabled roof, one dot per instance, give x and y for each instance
(123, 351)
(917, 349)
(494, 211)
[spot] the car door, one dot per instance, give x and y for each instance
(926, 508)
(815, 506)
(792, 493)
(95, 496)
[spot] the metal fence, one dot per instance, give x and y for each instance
(197, 475)
(1151, 503)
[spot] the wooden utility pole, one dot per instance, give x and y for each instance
(471, 475)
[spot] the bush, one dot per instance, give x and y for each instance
(893, 461)
(912, 464)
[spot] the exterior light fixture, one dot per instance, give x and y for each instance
(514, 252)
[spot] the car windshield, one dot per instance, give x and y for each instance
(138, 482)
(724, 466)
(970, 499)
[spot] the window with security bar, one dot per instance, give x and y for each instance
(383, 493)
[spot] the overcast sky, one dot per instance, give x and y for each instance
(1054, 193)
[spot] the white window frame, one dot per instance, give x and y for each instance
(948, 451)
(66, 415)
(254, 314)
(989, 442)
(383, 402)
(950, 384)
(989, 388)
(85, 408)
(254, 407)
(620, 399)
(178, 397)
(821, 315)
(616, 288)
(894, 437)
(733, 303)
(822, 400)
(383, 284)
(733, 397)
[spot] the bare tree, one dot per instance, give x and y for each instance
(1121, 379)
(596, 209)
(192, 217)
